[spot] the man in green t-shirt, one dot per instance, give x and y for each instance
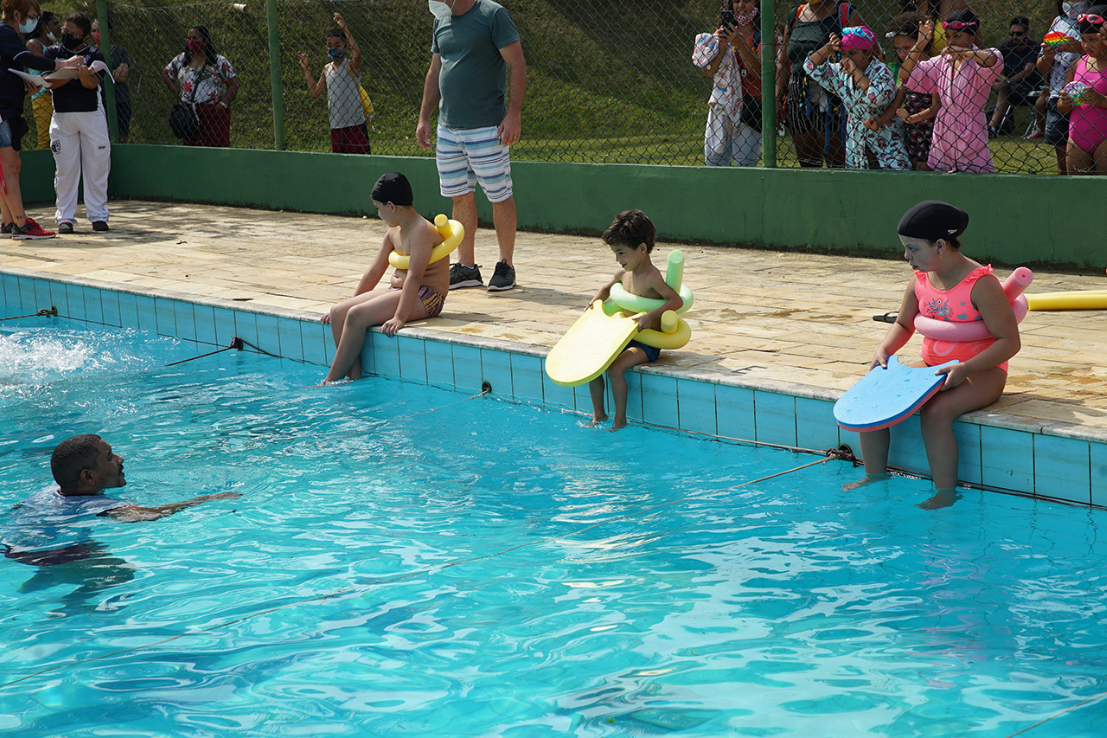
(474, 44)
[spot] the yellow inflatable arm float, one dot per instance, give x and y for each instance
(451, 230)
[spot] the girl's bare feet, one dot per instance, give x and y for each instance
(869, 479)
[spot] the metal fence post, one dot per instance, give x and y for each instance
(109, 85)
(274, 73)
(768, 84)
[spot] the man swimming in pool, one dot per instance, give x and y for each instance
(51, 527)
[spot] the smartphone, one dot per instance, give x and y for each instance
(729, 21)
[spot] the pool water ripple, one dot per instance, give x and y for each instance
(785, 607)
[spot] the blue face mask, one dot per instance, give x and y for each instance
(27, 27)
(336, 54)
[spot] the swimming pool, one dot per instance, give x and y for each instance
(467, 567)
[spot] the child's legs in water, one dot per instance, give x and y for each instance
(617, 375)
(977, 391)
(369, 309)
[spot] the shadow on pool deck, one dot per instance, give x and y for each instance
(762, 315)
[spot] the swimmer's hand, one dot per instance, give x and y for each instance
(326, 319)
(391, 326)
(644, 321)
(955, 375)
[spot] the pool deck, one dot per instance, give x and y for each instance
(766, 317)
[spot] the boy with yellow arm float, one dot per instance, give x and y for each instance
(631, 237)
(418, 287)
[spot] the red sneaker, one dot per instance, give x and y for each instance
(31, 231)
(1035, 135)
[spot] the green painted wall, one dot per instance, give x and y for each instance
(1015, 219)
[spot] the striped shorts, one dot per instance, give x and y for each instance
(466, 157)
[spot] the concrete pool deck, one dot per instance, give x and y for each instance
(765, 316)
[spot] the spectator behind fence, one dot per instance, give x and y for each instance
(732, 57)
(474, 43)
(200, 77)
(79, 130)
(45, 34)
(341, 78)
(813, 115)
(1085, 94)
(120, 69)
(937, 12)
(962, 77)
(866, 86)
(20, 18)
(1057, 56)
(1019, 81)
(916, 109)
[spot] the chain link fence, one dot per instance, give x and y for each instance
(608, 80)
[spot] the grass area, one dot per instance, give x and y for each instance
(608, 80)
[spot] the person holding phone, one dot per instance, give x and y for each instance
(732, 58)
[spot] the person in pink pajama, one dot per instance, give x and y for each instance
(961, 76)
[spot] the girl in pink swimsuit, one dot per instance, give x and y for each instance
(947, 286)
(1087, 148)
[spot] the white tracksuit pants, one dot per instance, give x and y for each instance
(81, 148)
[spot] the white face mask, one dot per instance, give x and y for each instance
(1071, 10)
(440, 9)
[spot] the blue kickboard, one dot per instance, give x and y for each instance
(884, 397)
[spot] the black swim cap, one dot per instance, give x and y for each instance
(394, 188)
(933, 219)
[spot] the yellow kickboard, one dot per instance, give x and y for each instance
(1089, 300)
(589, 347)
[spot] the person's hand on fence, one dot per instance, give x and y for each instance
(303, 61)
(339, 21)
(120, 73)
(872, 124)
(926, 33)
(510, 129)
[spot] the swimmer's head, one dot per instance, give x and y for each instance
(86, 464)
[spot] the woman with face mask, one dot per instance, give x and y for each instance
(201, 77)
(20, 18)
(47, 34)
(732, 58)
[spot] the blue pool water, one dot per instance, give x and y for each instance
(497, 570)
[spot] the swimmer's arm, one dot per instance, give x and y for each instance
(995, 309)
(901, 331)
(421, 248)
(135, 514)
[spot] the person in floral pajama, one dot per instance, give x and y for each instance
(866, 86)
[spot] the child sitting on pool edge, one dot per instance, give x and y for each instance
(414, 293)
(631, 237)
(947, 286)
